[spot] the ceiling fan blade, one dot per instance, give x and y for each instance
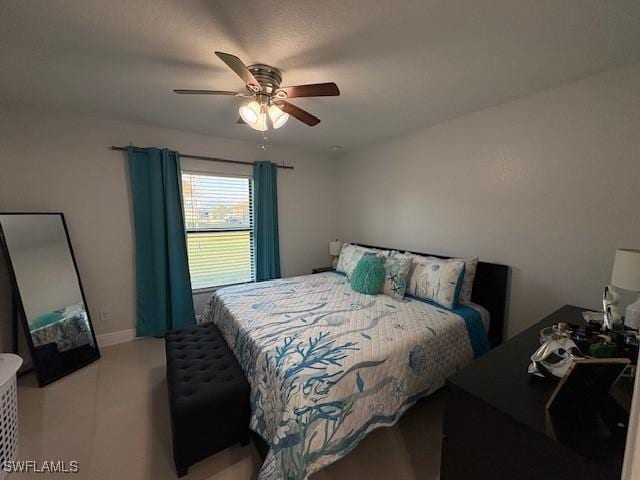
(312, 90)
(298, 113)
(240, 121)
(235, 64)
(208, 92)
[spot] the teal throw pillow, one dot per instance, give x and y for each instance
(368, 275)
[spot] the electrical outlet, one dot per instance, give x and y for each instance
(104, 315)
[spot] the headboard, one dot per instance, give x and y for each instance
(489, 290)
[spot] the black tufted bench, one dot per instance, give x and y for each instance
(208, 395)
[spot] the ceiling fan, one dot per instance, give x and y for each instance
(268, 105)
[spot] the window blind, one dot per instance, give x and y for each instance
(218, 215)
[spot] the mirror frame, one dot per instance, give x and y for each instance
(64, 370)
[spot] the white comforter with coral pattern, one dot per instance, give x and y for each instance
(327, 365)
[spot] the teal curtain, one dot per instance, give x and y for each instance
(265, 201)
(164, 297)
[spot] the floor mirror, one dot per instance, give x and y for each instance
(48, 296)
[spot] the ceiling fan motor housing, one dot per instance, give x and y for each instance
(267, 76)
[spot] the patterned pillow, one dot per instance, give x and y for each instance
(470, 268)
(350, 255)
(437, 280)
(396, 268)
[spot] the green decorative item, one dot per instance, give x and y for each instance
(603, 350)
(368, 276)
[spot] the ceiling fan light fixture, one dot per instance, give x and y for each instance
(278, 117)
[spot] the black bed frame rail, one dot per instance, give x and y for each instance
(490, 289)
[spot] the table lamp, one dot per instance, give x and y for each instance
(626, 275)
(334, 251)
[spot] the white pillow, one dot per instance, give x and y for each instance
(350, 255)
(470, 268)
(436, 280)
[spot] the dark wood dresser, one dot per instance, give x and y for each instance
(495, 426)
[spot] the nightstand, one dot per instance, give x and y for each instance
(323, 269)
(495, 426)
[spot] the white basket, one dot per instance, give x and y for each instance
(9, 365)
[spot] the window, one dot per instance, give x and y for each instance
(218, 215)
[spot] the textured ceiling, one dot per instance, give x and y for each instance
(401, 65)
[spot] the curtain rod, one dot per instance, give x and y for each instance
(211, 159)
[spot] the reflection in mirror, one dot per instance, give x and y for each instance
(48, 287)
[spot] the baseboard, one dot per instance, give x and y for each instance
(115, 338)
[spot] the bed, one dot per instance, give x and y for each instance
(327, 365)
(67, 328)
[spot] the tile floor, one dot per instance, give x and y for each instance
(112, 418)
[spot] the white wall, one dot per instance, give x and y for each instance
(548, 184)
(61, 162)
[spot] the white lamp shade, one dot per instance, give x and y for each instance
(249, 112)
(278, 117)
(626, 269)
(261, 124)
(334, 248)
(254, 115)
